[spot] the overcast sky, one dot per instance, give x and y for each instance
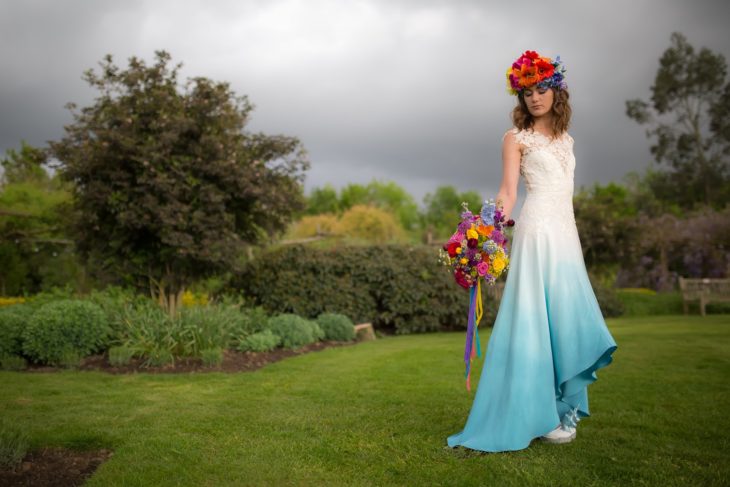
(409, 91)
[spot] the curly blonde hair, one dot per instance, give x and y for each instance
(522, 119)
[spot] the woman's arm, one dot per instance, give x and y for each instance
(510, 174)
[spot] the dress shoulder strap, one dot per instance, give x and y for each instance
(513, 130)
(525, 138)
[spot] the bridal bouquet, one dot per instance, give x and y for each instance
(477, 251)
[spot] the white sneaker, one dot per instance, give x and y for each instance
(560, 434)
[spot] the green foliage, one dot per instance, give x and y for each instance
(60, 329)
(251, 320)
(150, 332)
(323, 200)
(313, 225)
(336, 326)
(12, 321)
(114, 300)
(34, 245)
(688, 126)
(212, 356)
(169, 187)
(294, 330)
(12, 362)
(443, 209)
(400, 287)
(14, 443)
(386, 195)
(70, 358)
(263, 341)
(609, 302)
(120, 355)
(206, 327)
(370, 224)
(650, 304)
(25, 165)
(606, 222)
(159, 357)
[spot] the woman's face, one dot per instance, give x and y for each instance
(539, 101)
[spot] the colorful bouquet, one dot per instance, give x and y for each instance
(476, 251)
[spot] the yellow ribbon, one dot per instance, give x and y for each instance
(479, 309)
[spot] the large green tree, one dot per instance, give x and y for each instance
(443, 209)
(169, 186)
(35, 253)
(25, 165)
(387, 195)
(688, 122)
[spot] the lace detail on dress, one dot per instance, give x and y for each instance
(561, 147)
(547, 167)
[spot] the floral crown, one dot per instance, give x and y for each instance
(532, 69)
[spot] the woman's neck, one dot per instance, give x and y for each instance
(544, 124)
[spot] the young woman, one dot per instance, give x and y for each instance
(549, 337)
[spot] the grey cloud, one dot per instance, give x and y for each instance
(406, 91)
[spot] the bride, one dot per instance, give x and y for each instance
(549, 336)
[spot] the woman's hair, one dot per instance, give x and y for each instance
(522, 119)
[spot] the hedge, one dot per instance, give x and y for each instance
(401, 288)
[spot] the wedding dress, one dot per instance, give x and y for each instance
(549, 336)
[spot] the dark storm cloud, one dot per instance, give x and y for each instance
(406, 91)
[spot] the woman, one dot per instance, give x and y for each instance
(549, 336)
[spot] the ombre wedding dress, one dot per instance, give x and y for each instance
(549, 336)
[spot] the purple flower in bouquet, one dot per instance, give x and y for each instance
(465, 223)
(497, 237)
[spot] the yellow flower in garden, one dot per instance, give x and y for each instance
(464, 260)
(458, 250)
(472, 233)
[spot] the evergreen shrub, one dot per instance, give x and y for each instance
(402, 288)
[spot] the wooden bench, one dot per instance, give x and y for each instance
(366, 330)
(704, 290)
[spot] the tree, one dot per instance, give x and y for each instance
(443, 209)
(168, 185)
(25, 165)
(386, 195)
(605, 217)
(323, 200)
(687, 116)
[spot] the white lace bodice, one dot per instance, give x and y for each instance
(547, 167)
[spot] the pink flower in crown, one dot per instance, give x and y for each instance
(482, 268)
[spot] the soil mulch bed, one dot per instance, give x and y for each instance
(233, 361)
(54, 467)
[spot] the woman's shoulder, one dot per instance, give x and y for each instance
(512, 134)
(524, 136)
(566, 136)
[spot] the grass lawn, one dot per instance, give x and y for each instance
(379, 413)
